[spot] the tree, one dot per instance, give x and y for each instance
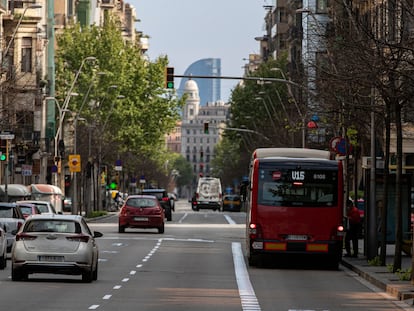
(134, 125)
(371, 71)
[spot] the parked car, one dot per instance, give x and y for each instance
(55, 243)
(43, 206)
(163, 198)
(11, 219)
(3, 249)
(28, 209)
(232, 203)
(141, 211)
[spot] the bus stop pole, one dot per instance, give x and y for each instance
(371, 236)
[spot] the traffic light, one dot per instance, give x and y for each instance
(169, 77)
(3, 150)
(205, 127)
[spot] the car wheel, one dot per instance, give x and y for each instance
(18, 275)
(169, 216)
(121, 229)
(95, 272)
(161, 229)
(3, 262)
(87, 276)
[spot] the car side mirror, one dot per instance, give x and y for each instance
(97, 234)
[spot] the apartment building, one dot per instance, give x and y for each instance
(200, 129)
(27, 36)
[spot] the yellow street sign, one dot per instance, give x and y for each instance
(74, 163)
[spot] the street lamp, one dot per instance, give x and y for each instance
(301, 114)
(75, 175)
(102, 129)
(68, 96)
(246, 131)
(32, 6)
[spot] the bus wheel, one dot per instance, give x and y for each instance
(253, 260)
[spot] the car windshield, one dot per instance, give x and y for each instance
(232, 197)
(43, 208)
(26, 209)
(6, 213)
(46, 225)
(137, 202)
(159, 195)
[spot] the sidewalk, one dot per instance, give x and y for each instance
(380, 276)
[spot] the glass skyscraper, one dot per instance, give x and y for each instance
(209, 89)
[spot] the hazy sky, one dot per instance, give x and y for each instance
(189, 30)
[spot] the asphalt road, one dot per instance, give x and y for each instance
(197, 264)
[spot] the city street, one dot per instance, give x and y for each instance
(197, 264)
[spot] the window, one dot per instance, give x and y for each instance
(26, 55)
(321, 6)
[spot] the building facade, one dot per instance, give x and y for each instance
(28, 33)
(200, 129)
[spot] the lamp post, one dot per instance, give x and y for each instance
(32, 6)
(57, 158)
(75, 209)
(301, 114)
(102, 129)
(68, 96)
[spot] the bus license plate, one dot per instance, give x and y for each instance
(297, 237)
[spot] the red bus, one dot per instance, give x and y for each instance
(294, 204)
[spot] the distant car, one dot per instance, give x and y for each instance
(67, 204)
(141, 211)
(208, 194)
(163, 198)
(43, 206)
(3, 249)
(232, 203)
(55, 243)
(11, 219)
(28, 209)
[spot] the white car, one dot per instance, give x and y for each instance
(55, 243)
(43, 206)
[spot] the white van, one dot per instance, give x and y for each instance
(208, 194)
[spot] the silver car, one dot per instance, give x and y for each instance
(3, 249)
(55, 243)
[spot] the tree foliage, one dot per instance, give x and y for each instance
(127, 106)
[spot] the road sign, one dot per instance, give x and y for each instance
(74, 163)
(6, 136)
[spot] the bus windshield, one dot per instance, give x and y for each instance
(297, 187)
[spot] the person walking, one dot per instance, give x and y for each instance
(354, 226)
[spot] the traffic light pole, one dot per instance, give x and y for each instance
(259, 79)
(6, 172)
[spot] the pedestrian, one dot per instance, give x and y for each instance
(354, 227)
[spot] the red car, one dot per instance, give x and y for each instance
(141, 211)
